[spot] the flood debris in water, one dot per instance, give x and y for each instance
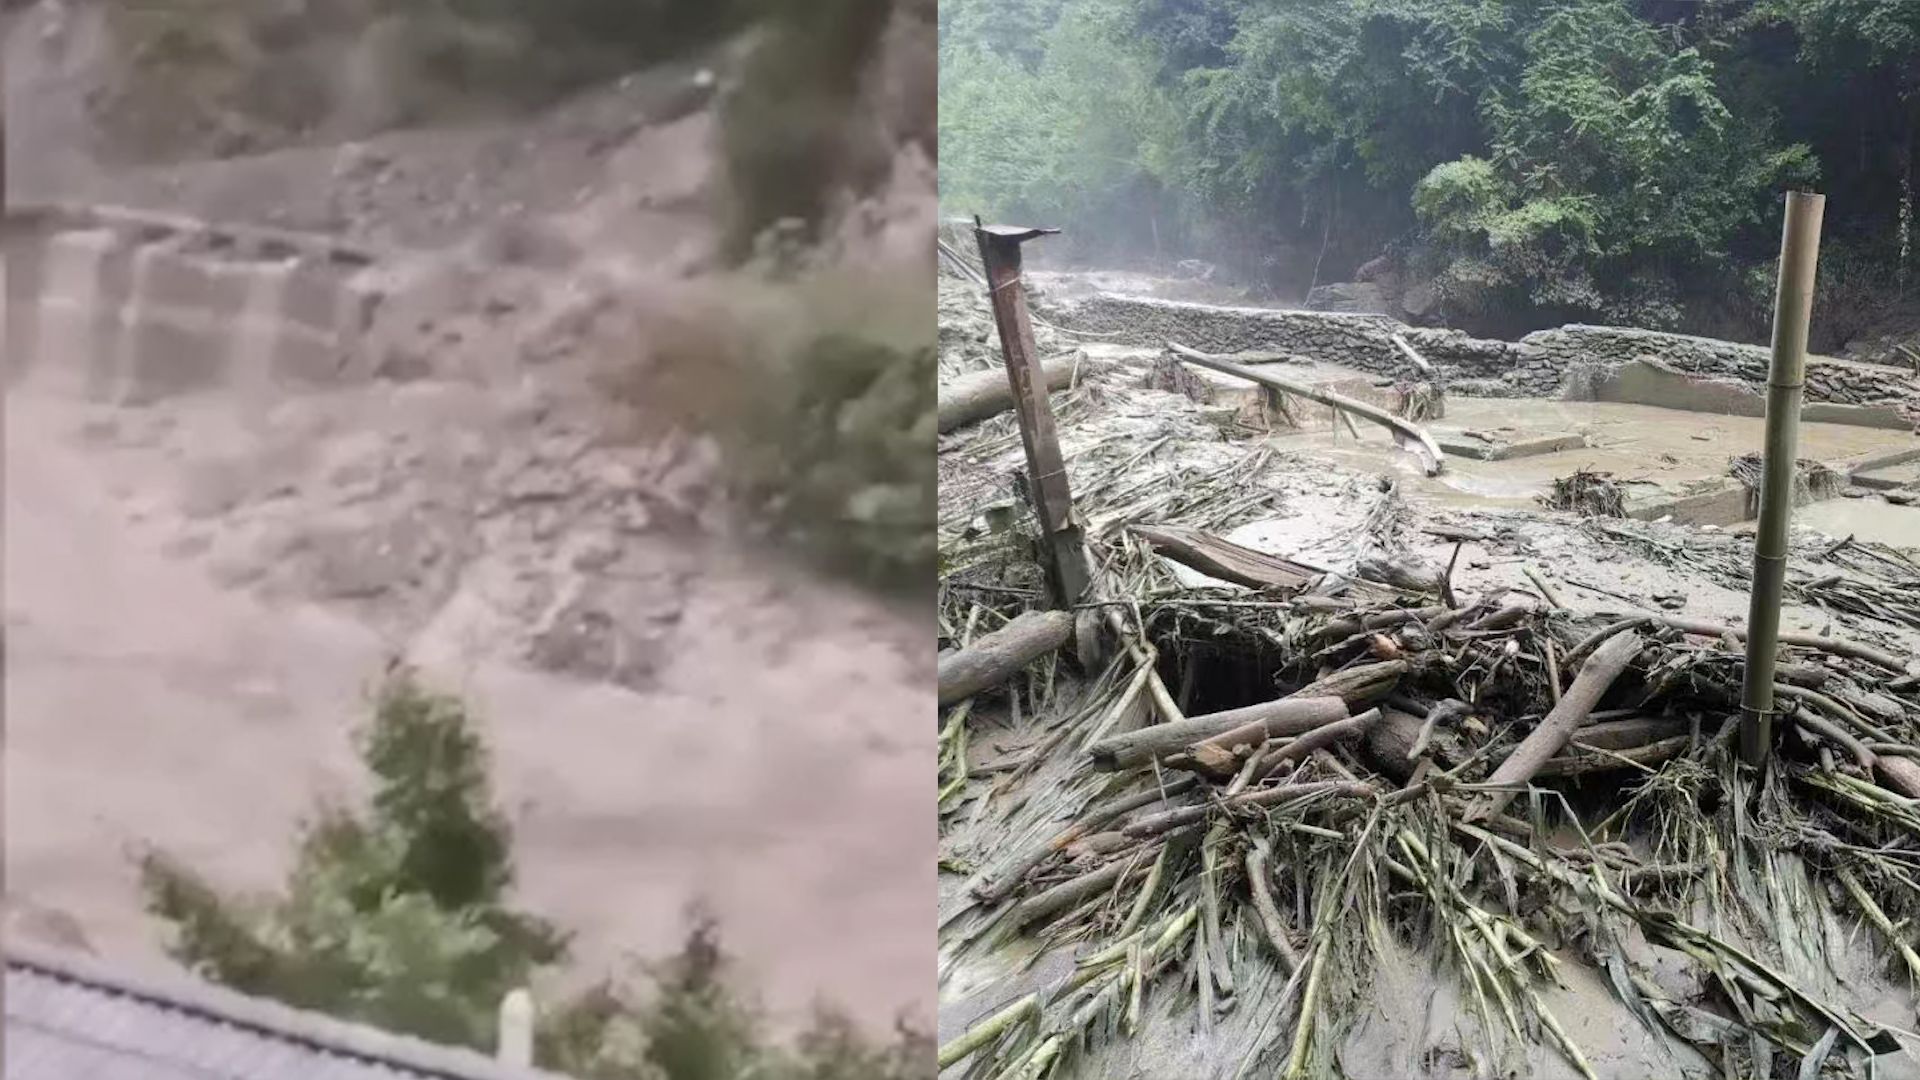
(1588, 492)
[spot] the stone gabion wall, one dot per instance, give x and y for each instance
(1361, 341)
(129, 307)
(1538, 365)
(1827, 379)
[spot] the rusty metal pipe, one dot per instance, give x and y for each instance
(1063, 551)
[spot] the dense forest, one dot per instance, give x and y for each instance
(1498, 165)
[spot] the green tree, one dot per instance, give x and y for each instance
(1619, 160)
(1866, 55)
(397, 917)
(1079, 137)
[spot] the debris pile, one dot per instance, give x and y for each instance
(1588, 493)
(1399, 773)
(1348, 812)
(1811, 479)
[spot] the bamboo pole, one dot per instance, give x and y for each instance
(1786, 379)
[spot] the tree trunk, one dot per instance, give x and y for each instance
(1287, 716)
(999, 656)
(979, 395)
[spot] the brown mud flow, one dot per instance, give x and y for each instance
(248, 463)
(1517, 844)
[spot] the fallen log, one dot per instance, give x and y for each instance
(1288, 716)
(1258, 855)
(1596, 675)
(992, 890)
(995, 658)
(1408, 350)
(1402, 737)
(1255, 732)
(975, 396)
(1583, 761)
(1347, 626)
(1390, 743)
(1224, 559)
(1630, 732)
(1836, 735)
(1052, 901)
(1898, 774)
(1409, 436)
(1507, 616)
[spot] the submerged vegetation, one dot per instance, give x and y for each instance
(1524, 164)
(399, 916)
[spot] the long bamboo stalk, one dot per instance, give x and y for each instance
(1786, 381)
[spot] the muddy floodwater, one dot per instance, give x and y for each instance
(767, 770)
(1654, 450)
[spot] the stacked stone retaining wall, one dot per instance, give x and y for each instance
(130, 307)
(1546, 363)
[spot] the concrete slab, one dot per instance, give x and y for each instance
(1480, 447)
(1887, 476)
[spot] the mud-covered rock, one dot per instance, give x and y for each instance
(1349, 296)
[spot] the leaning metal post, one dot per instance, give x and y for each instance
(1786, 376)
(1062, 548)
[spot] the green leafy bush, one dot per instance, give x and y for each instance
(850, 478)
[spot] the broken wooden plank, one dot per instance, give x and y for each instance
(1226, 560)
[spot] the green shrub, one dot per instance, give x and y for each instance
(850, 474)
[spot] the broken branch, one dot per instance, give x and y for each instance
(1596, 675)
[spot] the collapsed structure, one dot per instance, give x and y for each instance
(1343, 769)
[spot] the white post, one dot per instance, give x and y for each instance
(516, 1029)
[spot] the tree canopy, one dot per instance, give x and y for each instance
(1620, 160)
